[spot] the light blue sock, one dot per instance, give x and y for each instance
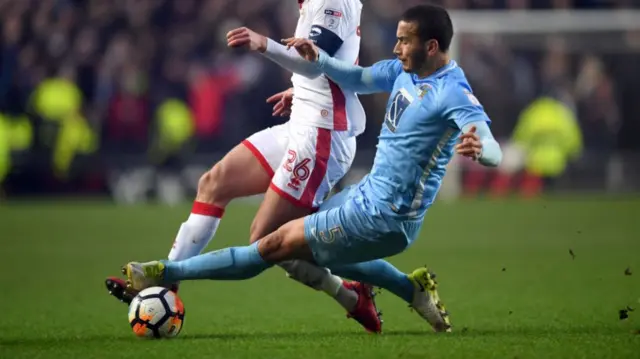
(379, 273)
(233, 263)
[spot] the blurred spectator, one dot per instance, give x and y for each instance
(109, 66)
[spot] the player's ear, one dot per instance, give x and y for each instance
(432, 47)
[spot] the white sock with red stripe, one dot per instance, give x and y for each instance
(196, 233)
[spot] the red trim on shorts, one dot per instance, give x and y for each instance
(207, 209)
(259, 157)
(323, 151)
(291, 199)
(339, 107)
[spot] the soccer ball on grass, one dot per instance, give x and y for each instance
(156, 312)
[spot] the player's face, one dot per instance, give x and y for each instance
(410, 50)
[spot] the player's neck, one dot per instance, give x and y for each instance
(433, 67)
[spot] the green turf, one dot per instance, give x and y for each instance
(505, 272)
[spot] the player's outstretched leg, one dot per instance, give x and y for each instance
(238, 174)
(418, 288)
(236, 263)
(233, 263)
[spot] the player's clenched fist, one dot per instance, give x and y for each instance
(470, 145)
(245, 37)
(305, 47)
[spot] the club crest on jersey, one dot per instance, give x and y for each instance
(396, 107)
(422, 89)
(332, 18)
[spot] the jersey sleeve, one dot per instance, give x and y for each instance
(331, 25)
(363, 80)
(491, 155)
(384, 73)
(460, 106)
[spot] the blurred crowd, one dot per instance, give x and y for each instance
(121, 71)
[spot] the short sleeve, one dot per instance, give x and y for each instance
(460, 106)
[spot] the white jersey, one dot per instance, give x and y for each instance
(334, 25)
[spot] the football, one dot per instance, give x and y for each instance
(156, 312)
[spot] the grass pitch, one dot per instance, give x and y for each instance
(505, 272)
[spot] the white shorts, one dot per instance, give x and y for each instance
(305, 162)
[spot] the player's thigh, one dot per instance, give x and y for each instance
(238, 174)
(274, 211)
(349, 234)
(304, 177)
(269, 146)
(246, 169)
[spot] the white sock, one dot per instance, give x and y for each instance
(321, 279)
(347, 298)
(196, 233)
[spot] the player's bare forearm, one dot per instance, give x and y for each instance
(348, 76)
(490, 154)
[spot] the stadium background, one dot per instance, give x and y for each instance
(93, 93)
(105, 105)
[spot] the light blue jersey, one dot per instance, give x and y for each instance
(421, 125)
(382, 214)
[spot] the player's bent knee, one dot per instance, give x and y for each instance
(271, 247)
(287, 242)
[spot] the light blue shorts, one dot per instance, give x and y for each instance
(350, 229)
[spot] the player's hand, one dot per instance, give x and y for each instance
(305, 47)
(470, 145)
(245, 37)
(283, 101)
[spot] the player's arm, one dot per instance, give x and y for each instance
(379, 77)
(286, 58)
(289, 59)
(478, 143)
(465, 112)
(331, 23)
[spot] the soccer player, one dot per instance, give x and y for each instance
(431, 114)
(295, 164)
